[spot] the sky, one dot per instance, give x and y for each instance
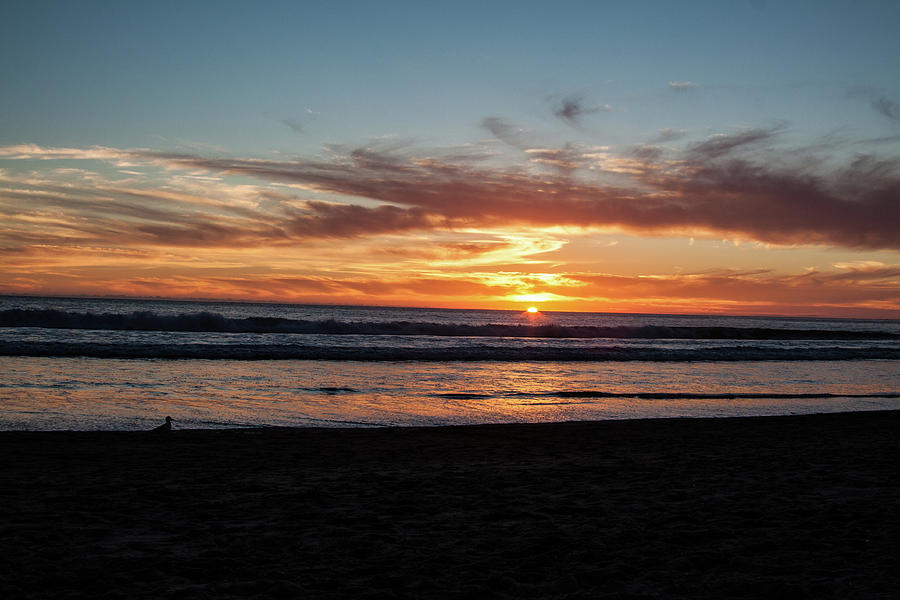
(670, 157)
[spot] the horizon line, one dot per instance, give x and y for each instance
(207, 300)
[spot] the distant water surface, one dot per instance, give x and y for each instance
(125, 364)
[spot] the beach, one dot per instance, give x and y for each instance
(792, 506)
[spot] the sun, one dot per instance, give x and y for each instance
(532, 309)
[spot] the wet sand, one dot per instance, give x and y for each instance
(800, 507)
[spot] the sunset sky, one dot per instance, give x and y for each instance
(736, 157)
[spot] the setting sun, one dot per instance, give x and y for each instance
(532, 309)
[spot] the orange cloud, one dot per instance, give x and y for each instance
(451, 229)
(733, 185)
(852, 290)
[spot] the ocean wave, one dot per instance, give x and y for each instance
(217, 323)
(437, 353)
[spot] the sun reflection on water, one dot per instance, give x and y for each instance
(46, 393)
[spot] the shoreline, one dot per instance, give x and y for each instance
(804, 506)
(365, 426)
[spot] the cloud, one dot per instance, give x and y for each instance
(836, 292)
(720, 187)
(397, 224)
(670, 135)
(709, 190)
(865, 271)
(566, 159)
(33, 151)
(722, 144)
(449, 251)
(881, 104)
(324, 219)
(572, 109)
(295, 125)
(681, 86)
(506, 132)
(802, 290)
(647, 152)
(888, 108)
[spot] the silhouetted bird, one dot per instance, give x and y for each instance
(167, 426)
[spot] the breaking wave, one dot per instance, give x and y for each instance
(217, 323)
(485, 352)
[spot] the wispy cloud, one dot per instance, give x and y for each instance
(711, 188)
(825, 292)
(565, 159)
(812, 288)
(887, 107)
(506, 132)
(722, 144)
(295, 125)
(682, 86)
(725, 186)
(670, 135)
(572, 109)
(35, 152)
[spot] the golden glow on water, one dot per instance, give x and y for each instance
(134, 394)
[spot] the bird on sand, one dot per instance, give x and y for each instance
(167, 426)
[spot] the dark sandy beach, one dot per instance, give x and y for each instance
(792, 507)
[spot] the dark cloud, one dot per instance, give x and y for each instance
(785, 206)
(572, 109)
(888, 108)
(324, 219)
(647, 152)
(670, 135)
(724, 186)
(879, 102)
(714, 188)
(204, 232)
(723, 144)
(294, 125)
(886, 139)
(376, 159)
(506, 132)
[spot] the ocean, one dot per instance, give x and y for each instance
(114, 364)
